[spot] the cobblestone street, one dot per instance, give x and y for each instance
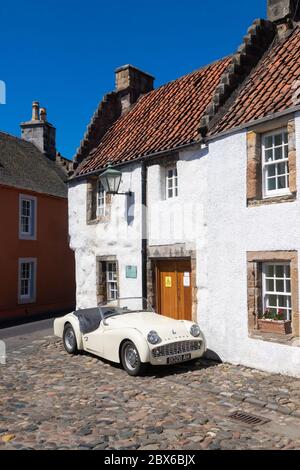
(49, 400)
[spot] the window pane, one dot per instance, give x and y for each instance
(285, 138)
(286, 152)
(268, 141)
(269, 156)
(270, 285)
(281, 168)
(271, 184)
(282, 301)
(278, 139)
(288, 286)
(278, 153)
(271, 170)
(281, 182)
(272, 300)
(279, 269)
(288, 270)
(269, 270)
(280, 286)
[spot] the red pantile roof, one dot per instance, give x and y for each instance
(169, 116)
(269, 88)
(163, 119)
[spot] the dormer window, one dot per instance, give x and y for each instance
(275, 163)
(171, 182)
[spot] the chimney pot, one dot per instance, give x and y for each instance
(35, 111)
(40, 132)
(43, 114)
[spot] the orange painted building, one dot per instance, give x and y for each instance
(37, 265)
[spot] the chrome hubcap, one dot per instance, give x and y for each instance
(69, 338)
(131, 357)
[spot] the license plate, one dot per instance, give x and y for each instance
(177, 359)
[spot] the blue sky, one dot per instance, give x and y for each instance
(63, 53)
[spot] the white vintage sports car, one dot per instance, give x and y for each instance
(129, 332)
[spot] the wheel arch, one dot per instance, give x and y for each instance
(70, 320)
(141, 344)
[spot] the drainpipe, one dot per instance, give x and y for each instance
(144, 228)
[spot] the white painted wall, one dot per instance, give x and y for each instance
(120, 237)
(181, 219)
(210, 216)
(234, 229)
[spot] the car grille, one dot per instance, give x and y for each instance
(173, 349)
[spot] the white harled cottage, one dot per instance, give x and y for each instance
(206, 222)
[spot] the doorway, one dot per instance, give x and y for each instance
(174, 289)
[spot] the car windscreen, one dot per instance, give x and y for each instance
(123, 306)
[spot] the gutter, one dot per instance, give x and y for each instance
(144, 228)
(256, 122)
(136, 160)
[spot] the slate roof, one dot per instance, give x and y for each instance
(22, 165)
(269, 88)
(163, 119)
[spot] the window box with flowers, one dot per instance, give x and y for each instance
(270, 322)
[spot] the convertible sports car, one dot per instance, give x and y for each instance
(129, 332)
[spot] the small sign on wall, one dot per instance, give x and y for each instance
(186, 280)
(168, 281)
(131, 272)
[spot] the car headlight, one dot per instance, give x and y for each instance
(195, 330)
(153, 338)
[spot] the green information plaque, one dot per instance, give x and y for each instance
(131, 272)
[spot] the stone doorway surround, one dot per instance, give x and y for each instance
(170, 252)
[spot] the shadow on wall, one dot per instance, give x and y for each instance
(129, 208)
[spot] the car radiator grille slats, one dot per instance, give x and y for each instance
(173, 349)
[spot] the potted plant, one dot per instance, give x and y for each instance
(274, 322)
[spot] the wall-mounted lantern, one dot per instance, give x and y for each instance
(111, 180)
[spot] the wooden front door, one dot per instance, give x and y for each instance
(174, 289)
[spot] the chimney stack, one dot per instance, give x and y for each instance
(131, 83)
(40, 132)
(283, 11)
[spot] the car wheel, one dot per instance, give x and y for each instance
(69, 340)
(131, 360)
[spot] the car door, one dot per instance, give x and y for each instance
(93, 342)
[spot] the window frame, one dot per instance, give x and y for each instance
(31, 297)
(174, 180)
(266, 193)
(112, 282)
(32, 218)
(276, 293)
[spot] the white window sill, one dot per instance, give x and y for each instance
(277, 194)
